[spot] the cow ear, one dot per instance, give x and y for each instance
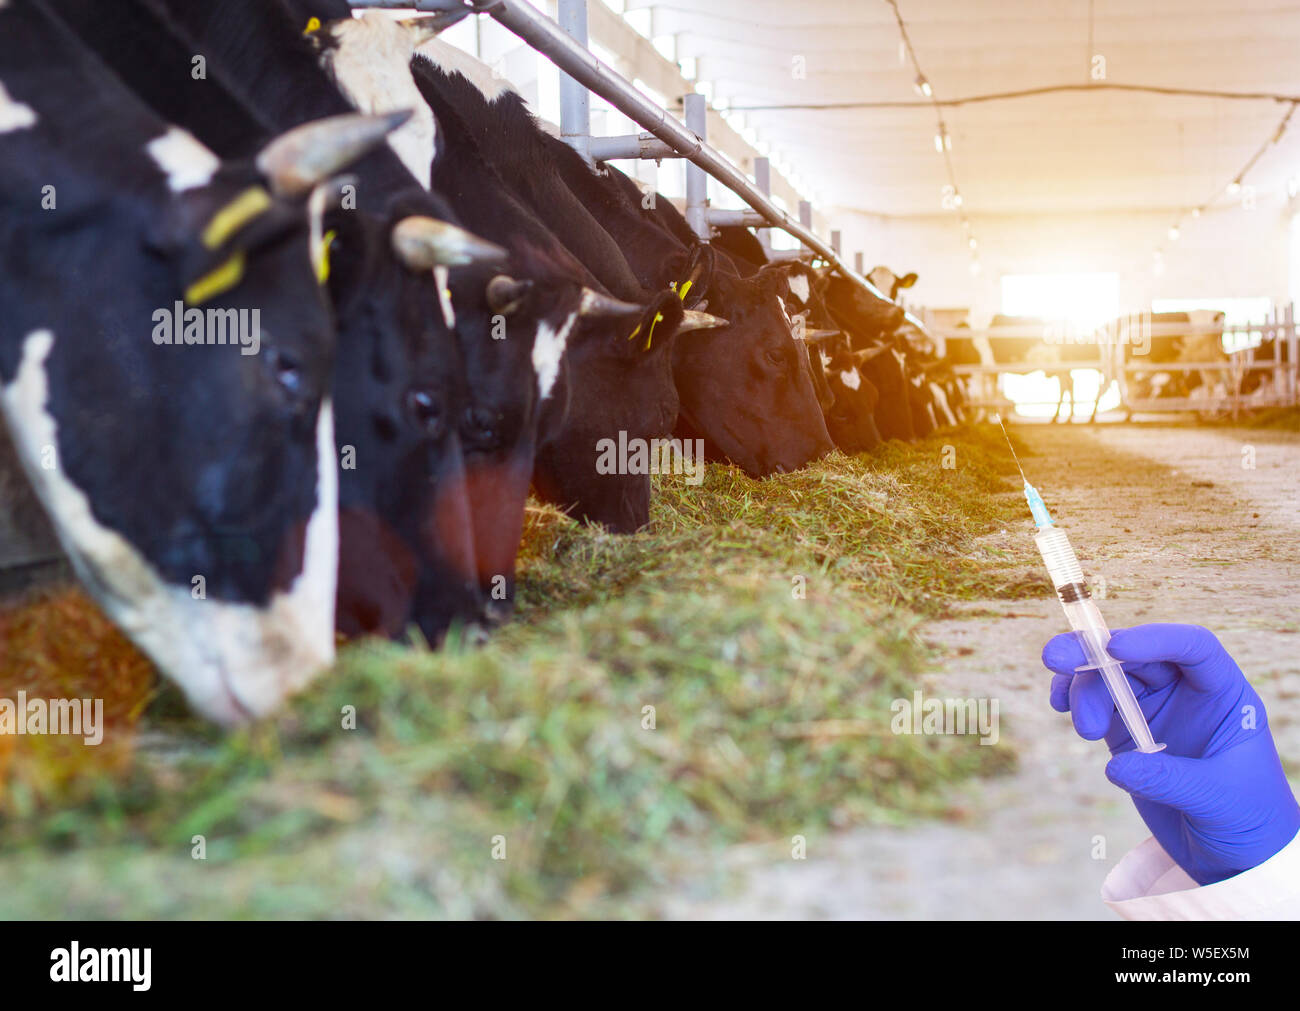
(907, 280)
(697, 275)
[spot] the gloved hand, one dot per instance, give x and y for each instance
(1216, 798)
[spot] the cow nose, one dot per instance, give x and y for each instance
(496, 612)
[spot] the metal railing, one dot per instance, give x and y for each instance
(564, 43)
(1122, 356)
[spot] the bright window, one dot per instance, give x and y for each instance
(1086, 300)
(1083, 302)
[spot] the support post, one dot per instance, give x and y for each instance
(763, 180)
(697, 180)
(575, 100)
(835, 241)
(805, 219)
(1292, 343)
(858, 263)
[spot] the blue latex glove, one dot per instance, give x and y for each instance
(1216, 798)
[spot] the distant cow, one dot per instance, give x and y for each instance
(1170, 338)
(1034, 344)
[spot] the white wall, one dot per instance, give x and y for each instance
(1226, 253)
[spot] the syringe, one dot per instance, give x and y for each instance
(1082, 613)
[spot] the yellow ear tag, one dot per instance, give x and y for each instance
(685, 290)
(659, 318)
(323, 265)
(313, 25)
(217, 280)
(251, 203)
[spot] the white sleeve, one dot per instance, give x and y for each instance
(1148, 885)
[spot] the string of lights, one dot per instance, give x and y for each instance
(951, 198)
(1002, 96)
(1233, 189)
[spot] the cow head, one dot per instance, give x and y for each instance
(191, 481)
(621, 393)
(745, 388)
(406, 540)
(851, 418)
(889, 282)
(868, 317)
(883, 365)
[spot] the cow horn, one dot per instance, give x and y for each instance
(504, 293)
(821, 336)
(594, 303)
(424, 243)
(862, 357)
(425, 28)
(300, 158)
(693, 319)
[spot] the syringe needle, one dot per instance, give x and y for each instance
(1007, 436)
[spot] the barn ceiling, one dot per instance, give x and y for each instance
(1065, 152)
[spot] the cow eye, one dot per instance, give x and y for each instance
(286, 370)
(775, 356)
(425, 407)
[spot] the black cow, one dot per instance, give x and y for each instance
(745, 389)
(1167, 338)
(192, 482)
(602, 366)
(410, 528)
(1034, 344)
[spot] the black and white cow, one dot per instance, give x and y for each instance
(165, 362)
(408, 550)
(593, 379)
(745, 388)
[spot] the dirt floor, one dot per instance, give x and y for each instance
(1171, 523)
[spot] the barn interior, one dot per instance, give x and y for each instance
(807, 692)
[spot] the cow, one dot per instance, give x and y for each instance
(1170, 338)
(553, 320)
(890, 283)
(745, 388)
(1034, 344)
(1273, 351)
(609, 362)
(406, 550)
(166, 353)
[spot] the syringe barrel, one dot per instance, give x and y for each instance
(1090, 629)
(1062, 565)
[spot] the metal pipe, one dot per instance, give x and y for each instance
(697, 181)
(763, 180)
(575, 100)
(546, 37)
(643, 146)
(743, 219)
(835, 241)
